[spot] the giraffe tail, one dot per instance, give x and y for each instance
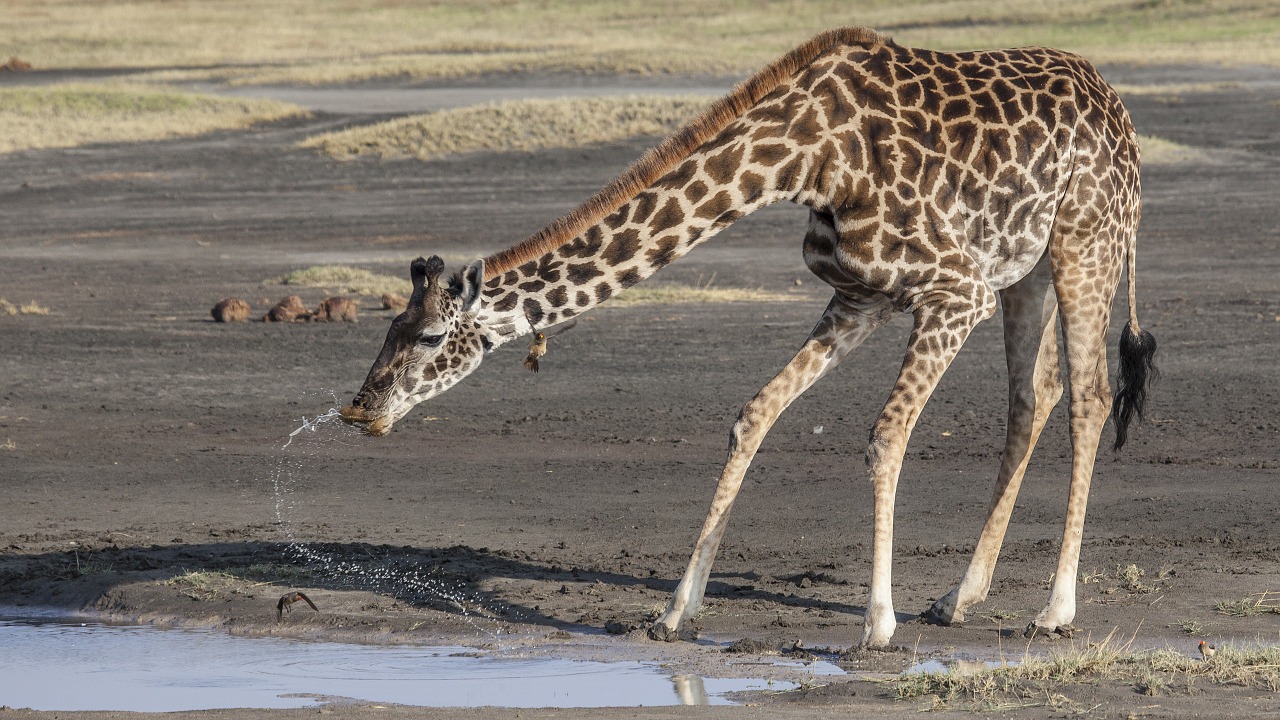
(1137, 362)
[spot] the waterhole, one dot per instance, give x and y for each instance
(147, 669)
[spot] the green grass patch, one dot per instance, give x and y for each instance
(516, 126)
(69, 115)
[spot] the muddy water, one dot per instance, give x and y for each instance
(143, 668)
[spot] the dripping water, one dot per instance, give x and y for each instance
(296, 464)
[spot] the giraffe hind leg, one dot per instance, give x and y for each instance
(1085, 311)
(841, 329)
(1035, 386)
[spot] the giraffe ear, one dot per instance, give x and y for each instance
(468, 286)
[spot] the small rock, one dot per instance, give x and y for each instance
(336, 309)
(16, 64)
(230, 310)
(619, 627)
(392, 301)
(289, 309)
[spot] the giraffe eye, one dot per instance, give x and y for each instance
(431, 340)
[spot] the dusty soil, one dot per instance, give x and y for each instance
(140, 442)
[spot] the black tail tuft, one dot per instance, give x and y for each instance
(1137, 371)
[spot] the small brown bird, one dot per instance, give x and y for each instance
(290, 598)
(1207, 650)
(538, 347)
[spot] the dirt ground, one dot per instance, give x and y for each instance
(141, 443)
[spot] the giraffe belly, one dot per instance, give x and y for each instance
(999, 262)
(1006, 262)
(822, 258)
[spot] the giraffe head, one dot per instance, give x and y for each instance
(433, 344)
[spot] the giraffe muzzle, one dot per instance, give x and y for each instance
(373, 424)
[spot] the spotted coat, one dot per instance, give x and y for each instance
(938, 184)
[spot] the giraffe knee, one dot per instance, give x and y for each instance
(883, 444)
(748, 418)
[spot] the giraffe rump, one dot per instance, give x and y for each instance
(658, 161)
(1137, 372)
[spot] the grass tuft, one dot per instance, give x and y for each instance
(1191, 627)
(31, 308)
(1251, 605)
(515, 126)
(1130, 577)
(207, 585)
(343, 279)
(1174, 89)
(1158, 151)
(1038, 680)
(670, 294)
(70, 115)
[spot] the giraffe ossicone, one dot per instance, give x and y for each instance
(939, 184)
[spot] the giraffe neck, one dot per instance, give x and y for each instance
(702, 195)
(743, 153)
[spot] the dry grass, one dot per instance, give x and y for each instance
(73, 114)
(670, 294)
(1174, 89)
(530, 125)
(340, 278)
(208, 585)
(335, 40)
(1041, 680)
(1251, 605)
(343, 279)
(1158, 151)
(31, 308)
(517, 126)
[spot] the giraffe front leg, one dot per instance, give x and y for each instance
(940, 330)
(688, 596)
(1035, 386)
(841, 329)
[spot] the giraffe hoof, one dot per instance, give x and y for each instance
(939, 616)
(944, 612)
(662, 633)
(1064, 631)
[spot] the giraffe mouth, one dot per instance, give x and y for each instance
(375, 424)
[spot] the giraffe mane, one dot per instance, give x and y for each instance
(658, 161)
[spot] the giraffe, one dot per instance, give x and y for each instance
(938, 184)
